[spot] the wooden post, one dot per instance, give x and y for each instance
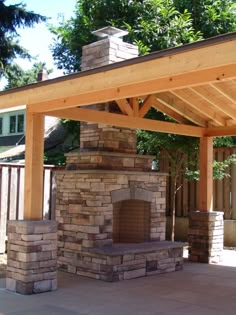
(206, 174)
(33, 199)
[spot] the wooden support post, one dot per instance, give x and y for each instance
(34, 166)
(206, 174)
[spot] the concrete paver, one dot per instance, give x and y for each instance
(199, 289)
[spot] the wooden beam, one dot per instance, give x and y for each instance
(187, 68)
(147, 104)
(181, 107)
(34, 144)
(127, 121)
(135, 105)
(125, 107)
(206, 174)
(201, 105)
(121, 92)
(169, 112)
(220, 131)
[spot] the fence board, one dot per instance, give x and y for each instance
(12, 196)
(224, 191)
(46, 196)
(21, 194)
(4, 207)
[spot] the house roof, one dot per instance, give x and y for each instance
(195, 84)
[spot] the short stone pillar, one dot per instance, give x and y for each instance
(206, 236)
(32, 256)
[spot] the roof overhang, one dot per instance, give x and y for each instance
(194, 84)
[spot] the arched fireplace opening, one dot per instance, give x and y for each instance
(131, 221)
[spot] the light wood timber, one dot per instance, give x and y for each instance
(227, 87)
(33, 195)
(206, 174)
(135, 105)
(178, 105)
(127, 121)
(225, 94)
(208, 93)
(201, 105)
(125, 107)
(178, 69)
(48, 102)
(147, 104)
(220, 131)
(169, 112)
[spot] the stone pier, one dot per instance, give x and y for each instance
(206, 236)
(32, 256)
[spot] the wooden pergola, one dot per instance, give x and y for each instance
(194, 84)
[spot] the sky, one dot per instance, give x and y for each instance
(38, 39)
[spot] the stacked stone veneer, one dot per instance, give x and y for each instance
(108, 161)
(32, 256)
(107, 51)
(206, 236)
(85, 201)
(99, 137)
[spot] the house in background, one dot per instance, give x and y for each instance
(12, 132)
(12, 127)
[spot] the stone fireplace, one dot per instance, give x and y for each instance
(110, 203)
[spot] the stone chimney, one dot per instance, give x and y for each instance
(42, 75)
(110, 48)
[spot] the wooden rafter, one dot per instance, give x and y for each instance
(135, 105)
(228, 88)
(224, 93)
(207, 93)
(190, 97)
(125, 107)
(169, 112)
(147, 104)
(82, 114)
(181, 107)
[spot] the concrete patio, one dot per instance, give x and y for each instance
(198, 289)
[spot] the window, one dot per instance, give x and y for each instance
(1, 125)
(16, 124)
(20, 123)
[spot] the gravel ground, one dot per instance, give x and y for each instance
(3, 261)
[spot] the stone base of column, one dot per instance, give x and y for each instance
(32, 256)
(206, 236)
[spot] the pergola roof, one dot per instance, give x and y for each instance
(194, 84)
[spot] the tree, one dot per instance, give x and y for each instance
(17, 77)
(182, 155)
(152, 25)
(210, 17)
(13, 17)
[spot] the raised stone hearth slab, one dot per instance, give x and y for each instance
(129, 261)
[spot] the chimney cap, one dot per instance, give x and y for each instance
(110, 31)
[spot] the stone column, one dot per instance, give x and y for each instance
(32, 256)
(206, 236)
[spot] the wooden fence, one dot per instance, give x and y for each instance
(12, 196)
(188, 196)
